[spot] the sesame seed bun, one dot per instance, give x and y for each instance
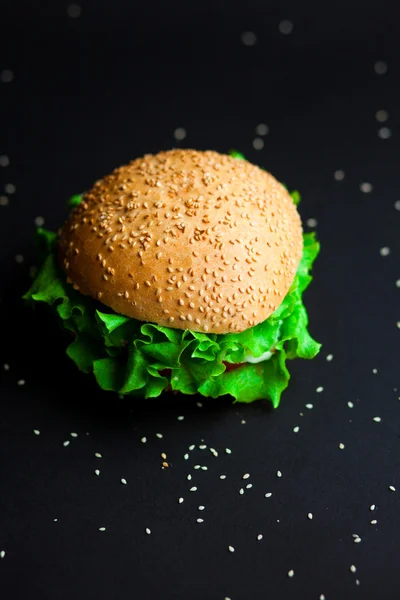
(187, 239)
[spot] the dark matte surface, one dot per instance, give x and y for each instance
(93, 92)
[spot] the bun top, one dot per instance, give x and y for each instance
(187, 239)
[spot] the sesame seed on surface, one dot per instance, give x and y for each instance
(319, 389)
(74, 11)
(222, 476)
(159, 435)
(310, 516)
(66, 443)
(248, 38)
(285, 27)
(241, 491)
(102, 528)
(385, 251)
(372, 507)
(98, 455)
(341, 446)
(4, 201)
(278, 474)
(309, 406)
(366, 187)
(258, 143)
(380, 67)
(329, 357)
(384, 133)
(179, 133)
(21, 382)
(6, 76)
(180, 418)
(4, 161)
(381, 116)
(180, 500)
(231, 549)
(2, 553)
(311, 222)
(193, 489)
(148, 531)
(398, 283)
(259, 537)
(19, 259)
(97, 472)
(296, 429)
(377, 419)
(200, 520)
(36, 431)
(291, 573)
(246, 476)
(249, 486)
(143, 440)
(373, 522)
(397, 205)
(392, 488)
(228, 450)
(339, 175)
(262, 129)
(39, 221)
(268, 495)
(124, 481)
(350, 404)
(353, 568)
(375, 371)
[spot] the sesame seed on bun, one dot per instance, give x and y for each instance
(187, 239)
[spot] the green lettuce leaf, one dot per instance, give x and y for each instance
(134, 358)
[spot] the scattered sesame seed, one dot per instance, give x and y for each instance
(39, 221)
(222, 476)
(202, 447)
(291, 573)
(6, 75)
(341, 446)
(213, 452)
(259, 537)
(102, 528)
(248, 38)
(262, 129)
(353, 568)
(180, 500)
(374, 371)
(196, 467)
(366, 187)
(329, 357)
(66, 443)
(381, 116)
(4, 161)
(192, 447)
(231, 549)
(4, 201)
(200, 520)
(98, 455)
(374, 522)
(73, 434)
(19, 259)
(385, 251)
(268, 494)
(143, 440)
(228, 450)
(309, 406)
(201, 507)
(180, 418)
(278, 474)
(204, 468)
(296, 429)
(372, 507)
(392, 488)
(163, 455)
(199, 404)
(310, 516)
(36, 431)
(2, 553)
(339, 175)
(148, 531)
(6, 367)
(74, 11)
(124, 481)
(285, 27)
(258, 143)
(357, 540)
(380, 67)
(241, 491)
(398, 283)
(186, 456)
(319, 389)
(398, 324)
(377, 419)
(322, 597)
(312, 222)
(249, 486)
(357, 582)
(159, 435)
(350, 404)
(193, 489)
(189, 477)
(246, 476)
(384, 133)
(21, 382)
(179, 133)
(397, 205)
(97, 472)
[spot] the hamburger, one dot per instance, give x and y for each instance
(183, 271)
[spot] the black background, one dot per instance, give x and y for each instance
(91, 93)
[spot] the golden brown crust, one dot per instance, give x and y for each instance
(188, 239)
